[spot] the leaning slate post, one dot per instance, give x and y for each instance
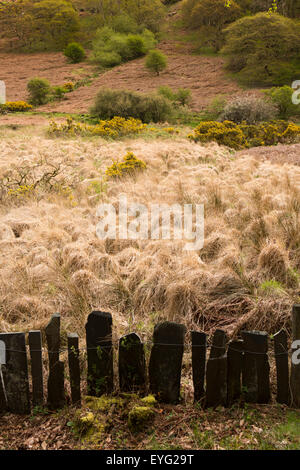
(56, 393)
(132, 366)
(216, 382)
(100, 353)
(35, 347)
(15, 373)
(256, 369)
(74, 367)
(198, 363)
(166, 361)
(218, 347)
(295, 368)
(282, 367)
(234, 370)
(3, 397)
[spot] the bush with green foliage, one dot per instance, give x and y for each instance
(282, 98)
(39, 91)
(250, 109)
(74, 52)
(264, 49)
(39, 25)
(111, 48)
(182, 96)
(156, 61)
(209, 18)
(148, 108)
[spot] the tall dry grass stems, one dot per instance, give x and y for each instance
(246, 276)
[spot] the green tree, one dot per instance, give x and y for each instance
(41, 25)
(39, 90)
(210, 17)
(156, 61)
(264, 49)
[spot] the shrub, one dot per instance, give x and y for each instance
(58, 93)
(182, 96)
(246, 135)
(39, 91)
(74, 52)
(69, 86)
(263, 49)
(128, 166)
(250, 109)
(282, 98)
(14, 107)
(114, 128)
(110, 48)
(147, 108)
(215, 108)
(156, 61)
(224, 133)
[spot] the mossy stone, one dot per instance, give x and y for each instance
(139, 417)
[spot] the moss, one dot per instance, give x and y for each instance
(104, 403)
(139, 417)
(150, 400)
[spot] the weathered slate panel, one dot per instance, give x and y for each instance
(132, 365)
(199, 347)
(256, 369)
(295, 368)
(216, 382)
(35, 347)
(100, 353)
(15, 373)
(282, 367)
(74, 367)
(56, 390)
(234, 370)
(166, 361)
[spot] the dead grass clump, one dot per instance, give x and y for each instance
(273, 263)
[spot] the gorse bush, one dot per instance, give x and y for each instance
(74, 52)
(263, 49)
(39, 90)
(147, 108)
(282, 98)
(250, 109)
(110, 48)
(14, 107)
(114, 128)
(128, 166)
(244, 135)
(156, 61)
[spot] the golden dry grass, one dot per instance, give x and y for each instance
(246, 276)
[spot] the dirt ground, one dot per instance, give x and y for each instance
(205, 77)
(276, 154)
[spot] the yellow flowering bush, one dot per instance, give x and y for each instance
(128, 166)
(113, 128)
(15, 106)
(224, 133)
(239, 136)
(69, 86)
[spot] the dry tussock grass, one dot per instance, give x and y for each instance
(51, 260)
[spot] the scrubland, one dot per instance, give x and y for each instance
(246, 275)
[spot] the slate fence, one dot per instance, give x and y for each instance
(222, 374)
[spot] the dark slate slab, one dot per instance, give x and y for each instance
(234, 370)
(199, 346)
(256, 369)
(132, 366)
(35, 347)
(166, 361)
(216, 382)
(3, 398)
(282, 367)
(56, 392)
(15, 373)
(99, 353)
(74, 367)
(295, 368)
(218, 346)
